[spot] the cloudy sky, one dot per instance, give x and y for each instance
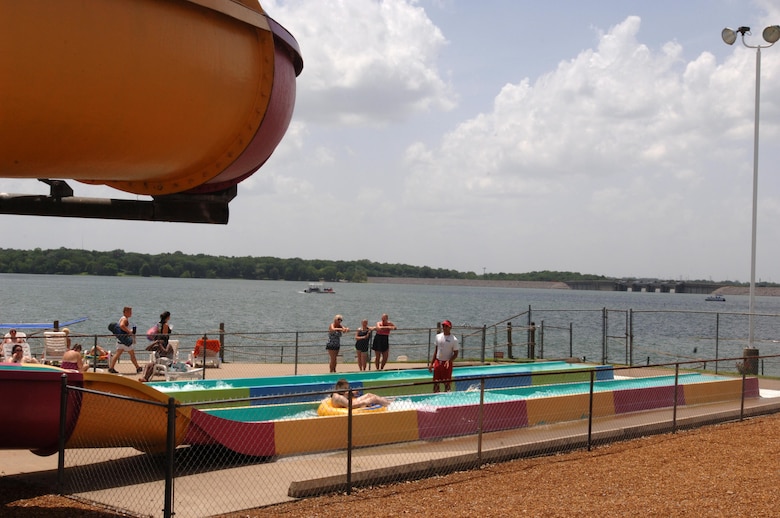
(608, 137)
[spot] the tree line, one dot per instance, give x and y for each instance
(66, 261)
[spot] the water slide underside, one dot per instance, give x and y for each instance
(179, 100)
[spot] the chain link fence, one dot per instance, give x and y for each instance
(203, 458)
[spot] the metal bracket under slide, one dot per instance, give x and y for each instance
(182, 208)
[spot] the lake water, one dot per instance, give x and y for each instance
(664, 326)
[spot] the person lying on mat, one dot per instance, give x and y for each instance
(339, 398)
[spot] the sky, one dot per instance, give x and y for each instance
(607, 137)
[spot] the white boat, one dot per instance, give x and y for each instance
(716, 298)
(318, 287)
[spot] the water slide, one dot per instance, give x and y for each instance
(94, 420)
(179, 99)
(32, 418)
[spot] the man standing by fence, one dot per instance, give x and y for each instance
(445, 353)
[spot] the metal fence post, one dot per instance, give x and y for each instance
(296, 353)
(221, 343)
(170, 451)
(430, 340)
(590, 410)
(676, 387)
(484, 340)
(63, 431)
(571, 339)
(627, 338)
(604, 318)
(481, 419)
(509, 339)
(349, 442)
(631, 337)
(203, 354)
(95, 354)
(717, 340)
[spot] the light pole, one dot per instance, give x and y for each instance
(771, 35)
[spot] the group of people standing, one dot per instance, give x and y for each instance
(380, 346)
(445, 352)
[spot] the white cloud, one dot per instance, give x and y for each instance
(366, 62)
(620, 147)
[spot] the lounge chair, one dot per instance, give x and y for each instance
(173, 369)
(211, 353)
(8, 351)
(55, 345)
(101, 362)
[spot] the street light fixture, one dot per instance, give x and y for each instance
(771, 36)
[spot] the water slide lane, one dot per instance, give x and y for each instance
(100, 421)
(109, 422)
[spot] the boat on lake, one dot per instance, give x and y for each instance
(318, 287)
(716, 298)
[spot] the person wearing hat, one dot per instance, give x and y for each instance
(443, 355)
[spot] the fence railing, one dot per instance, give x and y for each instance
(208, 479)
(621, 336)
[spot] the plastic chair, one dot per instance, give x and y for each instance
(211, 354)
(170, 368)
(55, 345)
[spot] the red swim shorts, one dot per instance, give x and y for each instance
(442, 371)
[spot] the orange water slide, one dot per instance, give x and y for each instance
(110, 422)
(112, 411)
(151, 97)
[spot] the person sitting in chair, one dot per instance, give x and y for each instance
(339, 398)
(163, 354)
(17, 356)
(14, 337)
(73, 360)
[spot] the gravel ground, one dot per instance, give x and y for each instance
(724, 470)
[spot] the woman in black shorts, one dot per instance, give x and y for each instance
(382, 341)
(362, 338)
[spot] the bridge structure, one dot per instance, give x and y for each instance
(646, 286)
